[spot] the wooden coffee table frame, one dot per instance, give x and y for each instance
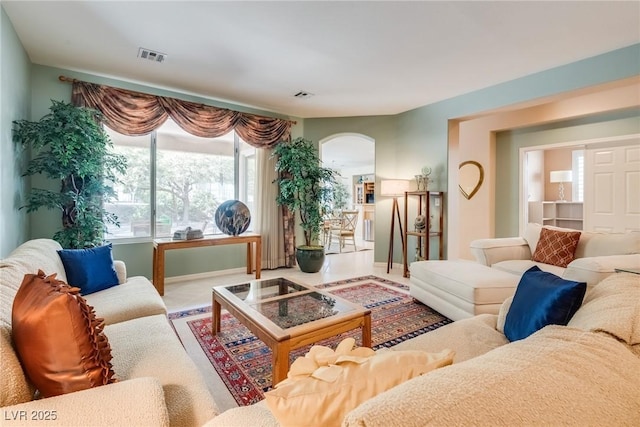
(282, 341)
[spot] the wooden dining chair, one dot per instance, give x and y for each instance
(345, 229)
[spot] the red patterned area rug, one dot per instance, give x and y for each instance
(244, 362)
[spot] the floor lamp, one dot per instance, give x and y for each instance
(394, 188)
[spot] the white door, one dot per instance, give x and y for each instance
(612, 188)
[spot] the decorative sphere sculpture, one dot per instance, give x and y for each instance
(233, 217)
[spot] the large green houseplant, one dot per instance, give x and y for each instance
(305, 188)
(69, 144)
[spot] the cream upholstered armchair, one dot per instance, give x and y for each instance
(344, 229)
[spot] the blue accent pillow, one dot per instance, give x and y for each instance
(91, 270)
(542, 299)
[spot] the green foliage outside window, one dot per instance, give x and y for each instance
(341, 196)
(183, 181)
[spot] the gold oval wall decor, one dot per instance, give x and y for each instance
(470, 177)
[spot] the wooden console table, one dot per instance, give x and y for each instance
(162, 245)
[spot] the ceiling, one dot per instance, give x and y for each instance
(357, 58)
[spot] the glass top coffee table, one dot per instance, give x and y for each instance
(286, 315)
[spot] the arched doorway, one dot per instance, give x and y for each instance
(352, 155)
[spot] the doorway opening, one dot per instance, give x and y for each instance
(352, 155)
(599, 193)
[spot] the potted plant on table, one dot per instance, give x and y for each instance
(69, 144)
(305, 188)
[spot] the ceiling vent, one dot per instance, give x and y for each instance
(303, 95)
(151, 55)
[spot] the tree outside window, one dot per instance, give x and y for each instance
(193, 176)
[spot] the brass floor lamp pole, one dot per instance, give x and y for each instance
(395, 212)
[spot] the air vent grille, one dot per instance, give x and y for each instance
(151, 55)
(303, 94)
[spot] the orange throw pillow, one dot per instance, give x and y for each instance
(58, 338)
(556, 247)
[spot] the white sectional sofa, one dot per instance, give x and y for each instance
(585, 373)
(459, 289)
(158, 384)
(597, 254)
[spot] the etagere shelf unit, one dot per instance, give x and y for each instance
(426, 202)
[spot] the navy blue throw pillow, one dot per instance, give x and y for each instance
(542, 299)
(91, 270)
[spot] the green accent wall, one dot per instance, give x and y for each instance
(419, 137)
(15, 87)
(383, 130)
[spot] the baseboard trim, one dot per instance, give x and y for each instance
(384, 264)
(205, 275)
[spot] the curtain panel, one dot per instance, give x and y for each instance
(134, 113)
(268, 220)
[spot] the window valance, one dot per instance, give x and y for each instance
(135, 113)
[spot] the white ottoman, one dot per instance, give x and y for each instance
(460, 289)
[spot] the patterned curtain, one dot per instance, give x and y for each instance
(134, 113)
(267, 220)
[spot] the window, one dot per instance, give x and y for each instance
(176, 180)
(578, 175)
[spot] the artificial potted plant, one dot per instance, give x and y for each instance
(69, 144)
(305, 188)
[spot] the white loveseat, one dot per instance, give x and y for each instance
(158, 384)
(585, 373)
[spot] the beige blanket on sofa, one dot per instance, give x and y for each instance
(558, 376)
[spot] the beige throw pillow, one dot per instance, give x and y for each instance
(612, 306)
(324, 385)
(502, 314)
(15, 385)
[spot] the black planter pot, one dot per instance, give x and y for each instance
(310, 258)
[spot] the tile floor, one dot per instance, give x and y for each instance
(197, 292)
